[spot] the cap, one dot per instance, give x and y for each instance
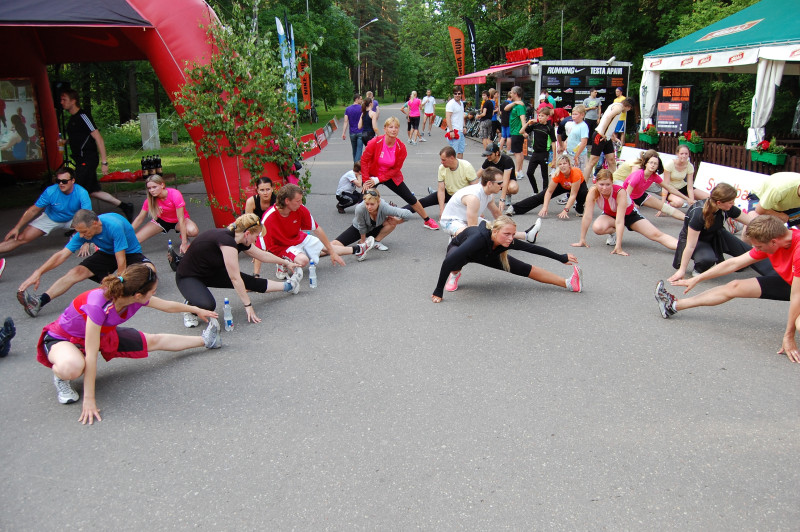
(492, 148)
(542, 97)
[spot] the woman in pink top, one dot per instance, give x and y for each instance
(167, 212)
(382, 162)
(610, 198)
(413, 105)
(637, 183)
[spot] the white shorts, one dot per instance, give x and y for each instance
(311, 247)
(453, 226)
(44, 224)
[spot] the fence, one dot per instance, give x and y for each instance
(735, 156)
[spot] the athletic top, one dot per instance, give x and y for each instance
(785, 261)
(285, 231)
(168, 207)
(345, 184)
(257, 210)
(566, 181)
(489, 106)
(455, 180)
(429, 103)
(413, 107)
(677, 178)
(370, 160)
(364, 222)
(515, 119)
(93, 305)
(695, 221)
(613, 125)
(609, 205)
(455, 208)
(640, 183)
(779, 191)
(117, 235)
(204, 259)
(503, 163)
(79, 131)
(61, 207)
(575, 135)
(457, 116)
(539, 133)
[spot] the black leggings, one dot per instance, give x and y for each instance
(538, 160)
(401, 190)
(196, 291)
(348, 199)
(431, 200)
(534, 201)
(515, 266)
(705, 257)
(351, 235)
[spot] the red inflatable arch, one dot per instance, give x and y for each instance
(166, 33)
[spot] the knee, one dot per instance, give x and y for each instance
(77, 274)
(302, 260)
(513, 187)
(69, 368)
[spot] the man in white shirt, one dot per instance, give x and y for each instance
(454, 115)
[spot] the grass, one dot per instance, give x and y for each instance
(324, 116)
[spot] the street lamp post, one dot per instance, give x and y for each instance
(359, 51)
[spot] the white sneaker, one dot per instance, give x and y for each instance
(422, 139)
(298, 272)
(280, 272)
(211, 337)
(562, 200)
(190, 320)
(611, 240)
(368, 244)
(509, 210)
(380, 246)
(66, 394)
(533, 231)
(294, 282)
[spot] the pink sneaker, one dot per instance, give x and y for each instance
(575, 283)
(452, 282)
(431, 224)
(2, 265)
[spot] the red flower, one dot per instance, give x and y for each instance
(763, 145)
(688, 136)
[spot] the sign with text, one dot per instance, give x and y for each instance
(570, 84)
(673, 109)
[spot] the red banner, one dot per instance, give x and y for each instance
(305, 82)
(457, 38)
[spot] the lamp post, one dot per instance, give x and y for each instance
(359, 51)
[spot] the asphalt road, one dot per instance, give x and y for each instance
(361, 405)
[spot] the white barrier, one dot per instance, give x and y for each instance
(708, 175)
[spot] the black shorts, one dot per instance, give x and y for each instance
(638, 201)
(630, 219)
(414, 122)
(600, 144)
(166, 226)
(130, 341)
(102, 264)
(774, 287)
(351, 235)
(517, 142)
(86, 172)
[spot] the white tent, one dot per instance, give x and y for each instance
(763, 39)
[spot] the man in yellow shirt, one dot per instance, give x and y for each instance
(779, 195)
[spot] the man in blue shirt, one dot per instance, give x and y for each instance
(117, 247)
(351, 115)
(59, 202)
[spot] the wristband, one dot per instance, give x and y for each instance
(566, 209)
(248, 305)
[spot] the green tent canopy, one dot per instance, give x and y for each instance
(763, 39)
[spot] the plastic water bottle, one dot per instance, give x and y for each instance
(312, 274)
(169, 245)
(227, 315)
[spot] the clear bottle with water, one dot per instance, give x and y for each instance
(227, 315)
(312, 274)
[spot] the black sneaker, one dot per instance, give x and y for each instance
(127, 209)
(340, 208)
(666, 301)
(6, 334)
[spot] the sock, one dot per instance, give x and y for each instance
(355, 248)
(426, 218)
(287, 286)
(668, 209)
(44, 299)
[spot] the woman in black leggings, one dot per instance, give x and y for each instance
(213, 261)
(488, 243)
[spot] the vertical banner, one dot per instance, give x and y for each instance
(457, 38)
(284, 48)
(305, 81)
(292, 67)
(473, 48)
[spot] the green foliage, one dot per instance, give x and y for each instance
(129, 135)
(238, 100)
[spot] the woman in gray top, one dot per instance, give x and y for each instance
(374, 218)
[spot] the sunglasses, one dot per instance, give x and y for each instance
(498, 183)
(371, 192)
(63, 181)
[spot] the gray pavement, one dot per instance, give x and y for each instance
(363, 406)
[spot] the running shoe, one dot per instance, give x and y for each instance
(533, 231)
(611, 240)
(563, 199)
(280, 272)
(298, 272)
(66, 394)
(294, 284)
(452, 282)
(666, 301)
(368, 244)
(31, 304)
(6, 334)
(431, 224)
(521, 176)
(211, 337)
(380, 246)
(509, 210)
(339, 208)
(190, 320)
(431, 190)
(575, 282)
(2, 266)
(422, 139)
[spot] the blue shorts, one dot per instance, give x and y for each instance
(620, 127)
(459, 144)
(505, 131)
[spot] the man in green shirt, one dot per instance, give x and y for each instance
(516, 121)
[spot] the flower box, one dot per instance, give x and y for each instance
(649, 139)
(777, 159)
(694, 147)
